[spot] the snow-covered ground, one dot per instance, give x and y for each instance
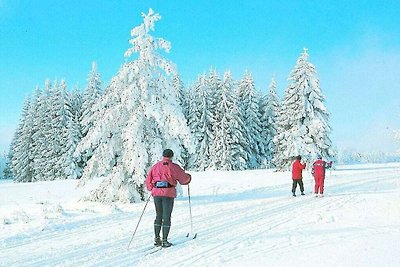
(246, 218)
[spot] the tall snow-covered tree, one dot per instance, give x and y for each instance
(200, 124)
(72, 167)
(251, 120)
(304, 125)
(180, 92)
(182, 98)
(269, 108)
(7, 171)
(60, 115)
(21, 146)
(42, 147)
(137, 118)
(226, 149)
(41, 134)
(91, 95)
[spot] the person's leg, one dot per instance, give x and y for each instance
(319, 185)
(322, 185)
(301, 186)
(157, 222)
(316, 185)
(168, 205)
(294, 186)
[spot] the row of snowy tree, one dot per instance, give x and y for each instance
(53, 122)
(235, 127)
(231, 123)
(351, 156)
(218, 123)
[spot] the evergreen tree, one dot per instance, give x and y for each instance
(137, 118)
(304, 128)
(61, 115)
(182, 98)
(20, 162)
(42, 145)
(91, 95)
(251, 120)
(7, 171)
(227, 151)
(73, 166)
(180, 93)
(200, 123)
(213, 84)
(269, 108)
(86, 108)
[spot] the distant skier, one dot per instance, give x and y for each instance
(297, 177)
(318, 171)
(161, 181)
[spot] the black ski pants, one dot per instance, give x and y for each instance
(294, 186)
(164, 206)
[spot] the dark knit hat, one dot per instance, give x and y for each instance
(319, 156)
(168, 153)
(298, 157)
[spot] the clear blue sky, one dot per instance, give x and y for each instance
(354, 45)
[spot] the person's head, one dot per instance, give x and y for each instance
(319, 156)
(168, 153)
(298, 157)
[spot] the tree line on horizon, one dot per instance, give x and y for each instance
(114, 135)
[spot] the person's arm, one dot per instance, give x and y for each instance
(180, 175)
(149, 180)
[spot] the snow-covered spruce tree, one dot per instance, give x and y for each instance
(226, 149)
(281, 158)
(180, 93)
(42, 134)
(138, 117)
(304, 126)
(251, 119)
(20, 149)
(182, 98)
(71, 167)
(269, 108)
(91, 95)
(214, 87)
(7, 171)
(199, 120)
(60, 115)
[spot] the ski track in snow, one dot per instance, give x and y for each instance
(263, 220)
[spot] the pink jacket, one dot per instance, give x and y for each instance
(166, 170)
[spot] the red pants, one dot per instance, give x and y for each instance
(319, 184)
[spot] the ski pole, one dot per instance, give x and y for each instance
(191, 219)
(147, 202)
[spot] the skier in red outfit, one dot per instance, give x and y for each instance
(161, 181)
(318, 172)
(297, 177)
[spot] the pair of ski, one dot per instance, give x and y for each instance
(155, 249)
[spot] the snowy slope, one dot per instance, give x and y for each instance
(243, 218)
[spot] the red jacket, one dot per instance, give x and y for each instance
(166, 170)
(297, 169)
(319, 167)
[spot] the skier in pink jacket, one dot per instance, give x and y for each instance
(161, 181)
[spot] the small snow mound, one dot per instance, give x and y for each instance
(53, 211)
(17, 216)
